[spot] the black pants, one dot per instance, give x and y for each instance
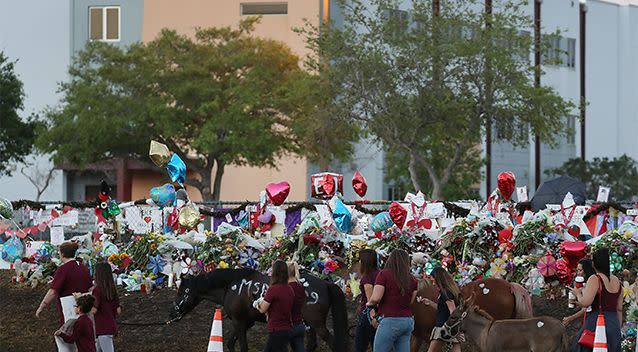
(278, 341)
(296, 337)
(365, 334)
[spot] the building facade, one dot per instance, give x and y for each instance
(44, 35)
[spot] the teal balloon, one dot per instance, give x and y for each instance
(342, 216)
(163, 196)
(381, 222)
(12, 249)
(176, 169)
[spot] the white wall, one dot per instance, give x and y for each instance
(37, 34)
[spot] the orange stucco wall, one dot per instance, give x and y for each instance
(238, 183)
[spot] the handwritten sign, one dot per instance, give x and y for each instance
(603, 194)
(57, 235)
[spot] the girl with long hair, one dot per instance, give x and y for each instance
(298, 327)
(603, 293)
(106, 307)
(277, 305)
(394, 291)
(449, 298)
(585, 269)
(368, 271)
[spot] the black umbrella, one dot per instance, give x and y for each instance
(554, 191)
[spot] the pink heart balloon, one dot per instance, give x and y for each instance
(21, 234)
(278, 192)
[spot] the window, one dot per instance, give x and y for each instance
(562, 52)
(104, 23)
(252, 9)
(571, 125)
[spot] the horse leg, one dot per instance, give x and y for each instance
(232, 338)
(415, 343)
(243, 341)
(311, 340)
(325, 335)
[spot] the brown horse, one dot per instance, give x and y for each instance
(544, 334)
(501, 299)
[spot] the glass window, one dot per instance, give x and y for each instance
(95, 24)
(104, 23)
(249, 9)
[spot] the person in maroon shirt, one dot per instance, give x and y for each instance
(394, 291)
(82, 336)
(72, 277)
(364, 336)
(277, 304)
(106, 307)
(298, 327)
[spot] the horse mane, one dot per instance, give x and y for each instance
(483, 313)
(219, 278)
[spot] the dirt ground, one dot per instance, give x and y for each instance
(21, 331)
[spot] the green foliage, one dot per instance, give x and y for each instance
(426, 86)
(621, 174)
(16, 135)
(224, 97)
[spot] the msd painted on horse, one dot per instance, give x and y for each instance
(236, 290)
(499, 298)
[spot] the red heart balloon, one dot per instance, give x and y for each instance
(506, 182)
(359, 184)
(574, 230)
(147, 219)
(278, 192)
(54, 213)
(426, 224)
(398, 214)
(328, 184)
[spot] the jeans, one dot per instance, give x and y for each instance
(296, 337)
(393, 334)
(277, 341)
(365, 334)
(104, 343)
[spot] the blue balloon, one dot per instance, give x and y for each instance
(381, 222)
(163, 196)
(342, 216)
(176, 169)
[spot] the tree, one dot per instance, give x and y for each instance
(39, 178)
(621, 174)
(426, 85)
(221, 98)
(16, 136)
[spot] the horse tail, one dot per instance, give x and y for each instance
(523, 302)
(339, 317)
(565, 339)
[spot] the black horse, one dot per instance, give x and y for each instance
(236, 289)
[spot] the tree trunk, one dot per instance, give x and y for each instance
(413, 173)
(217, 186)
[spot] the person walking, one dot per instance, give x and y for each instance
(82, 336)
(277, 305)
(106, 307)
(449, 299)
(368, 271)
(70, 278)
(603, 292)
(394, 291)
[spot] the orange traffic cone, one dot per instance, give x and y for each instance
(600, 337)
(216, 342)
